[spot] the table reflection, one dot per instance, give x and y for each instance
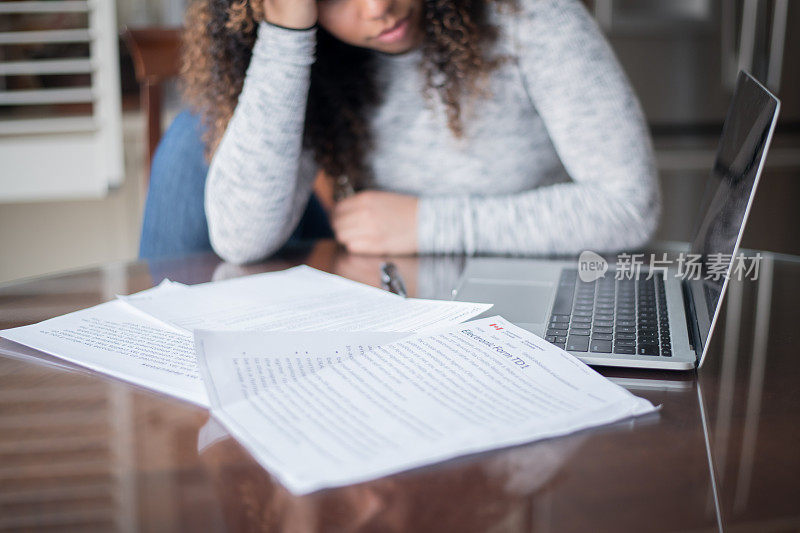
(488, 492)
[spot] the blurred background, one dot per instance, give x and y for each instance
(86, 85)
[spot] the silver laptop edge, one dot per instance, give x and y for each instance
(761, 164)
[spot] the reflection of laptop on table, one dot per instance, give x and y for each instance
(660, 322)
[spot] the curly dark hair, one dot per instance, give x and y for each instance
(217, 47)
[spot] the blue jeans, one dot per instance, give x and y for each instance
(174, 214)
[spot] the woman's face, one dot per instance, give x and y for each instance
(391, 26)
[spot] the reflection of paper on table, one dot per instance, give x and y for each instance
(364, 412)
(211, 433)
(299, 299)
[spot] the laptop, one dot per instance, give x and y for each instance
(625, 313)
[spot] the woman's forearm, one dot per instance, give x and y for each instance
(564, 218)
(260, 179)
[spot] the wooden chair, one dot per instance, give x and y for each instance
(156, 59)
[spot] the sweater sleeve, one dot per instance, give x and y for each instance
(260, 178)
(598, 130)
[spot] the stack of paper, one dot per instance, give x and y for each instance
(146, 338)
(331, 409)
(329, 382)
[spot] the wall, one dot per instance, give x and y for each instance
(42, 237)
(144, 12)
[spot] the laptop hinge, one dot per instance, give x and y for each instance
(691, 319)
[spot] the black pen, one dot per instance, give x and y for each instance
(391, 279)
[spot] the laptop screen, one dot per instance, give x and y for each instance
(729, 193)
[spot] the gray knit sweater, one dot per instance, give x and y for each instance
(557, 159)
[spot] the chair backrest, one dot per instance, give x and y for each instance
(156, 59)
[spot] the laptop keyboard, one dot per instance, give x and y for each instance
(610, 316)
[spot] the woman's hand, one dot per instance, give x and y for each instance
(377, 222)
(295, 14)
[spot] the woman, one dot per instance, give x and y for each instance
(469, 126)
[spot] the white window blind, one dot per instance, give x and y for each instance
(60, 111)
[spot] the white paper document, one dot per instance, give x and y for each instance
(327, 409)
(115, 340)
(121, 339)
(299, 299)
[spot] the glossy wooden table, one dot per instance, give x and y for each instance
(82, 452)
